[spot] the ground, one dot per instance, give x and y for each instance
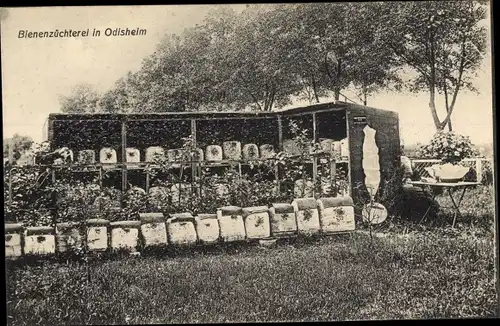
(411, 271)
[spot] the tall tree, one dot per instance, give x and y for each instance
(262, 77)
(334, 46)
(82, 99)
(442, 42)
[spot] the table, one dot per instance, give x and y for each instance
(448, 186)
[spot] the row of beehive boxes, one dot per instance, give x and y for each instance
(230, 150)
(304, 216)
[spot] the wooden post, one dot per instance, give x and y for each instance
(147, 181)
(11, 162)
(349, 166)
(333, 171)
(479, 170)
(280, 134)
(314, 157)
(280, 148)
(193, 164)
(50, 132)
(124, 155)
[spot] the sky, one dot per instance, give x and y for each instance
(36, 71)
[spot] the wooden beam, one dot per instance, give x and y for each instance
(349, 167)
(280, 133)
(50, 132)
(193, 165)
(314, 158)
(11, 162)
(124, 155)
(314, 126)
(280, 148)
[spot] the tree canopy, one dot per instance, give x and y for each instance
(267, 56)
(20, 145)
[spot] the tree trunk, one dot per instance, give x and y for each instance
(432, 86)
(314, 89)
(450, 128)
(445, 89)
(432, 106)
(336, 91)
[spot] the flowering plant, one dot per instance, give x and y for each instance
(449, 147)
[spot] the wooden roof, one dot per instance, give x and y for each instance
(323, 107)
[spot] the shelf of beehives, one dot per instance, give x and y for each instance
(77, 167)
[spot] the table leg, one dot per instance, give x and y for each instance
(456, 205)
(428, 209)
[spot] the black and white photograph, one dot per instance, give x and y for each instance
(235, 163)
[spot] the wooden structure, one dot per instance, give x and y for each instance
(335, 121)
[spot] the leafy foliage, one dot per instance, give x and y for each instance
(442, 43)
(20, 145)
(83, 99)
(448, 147)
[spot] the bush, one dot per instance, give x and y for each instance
(448, 147)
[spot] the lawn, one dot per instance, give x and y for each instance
(427, 272)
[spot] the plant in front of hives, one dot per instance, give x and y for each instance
(362, 204)
(78, 201)
(294, 166)
(29, 204)
(135, 202)
(255, 190)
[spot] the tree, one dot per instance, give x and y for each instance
(20, 145)
(262, 76)
(334, 46)
(123, 97)
(83, 99)
(259, 59)
(442, 42)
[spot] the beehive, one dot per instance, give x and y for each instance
(154, 153)
(68, 237)
(250, 152)
(307, 215)
(207, 228)
(232, 150)
(327, 145)
(336, 214)
(283, 222)
(337, 149)
(213, 153)
(97, 234)
(125, 235)
(181, 229)
(257, 223)
(39, 240)
(232, 226)
(303, 189)
(344, 148)
(153, 229)
(266, 151)
(13, 238)
(107, 155)
(133, 155)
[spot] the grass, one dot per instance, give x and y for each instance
(430, 272)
